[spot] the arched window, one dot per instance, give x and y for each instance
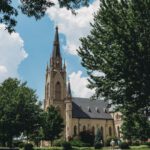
(102, 132)
(58, 91)
(84, 128)
(118, 129)
(93, 130)
(117, 116)
(75, 130)
(110, 131)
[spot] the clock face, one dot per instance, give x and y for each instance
(57, 62)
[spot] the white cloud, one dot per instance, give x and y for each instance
(79, 85)
(98, 74)
(3, 69)
(12, 53)
(73, 26)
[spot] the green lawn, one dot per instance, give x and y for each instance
(142, 147)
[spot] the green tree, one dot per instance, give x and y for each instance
(52, 125)
(135, 127)
(118, 46)
(19, 110)
(32, 8)
(98, 139)
(37, 135)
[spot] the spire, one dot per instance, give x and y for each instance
(47, 68)
(69, 90)
(56, 49)
(64, 64)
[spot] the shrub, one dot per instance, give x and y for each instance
(17, 144)
(147, 143)
(8, 148)
(58, 142)
(98, 145)
(124, 145)
(49, 148)
(87, 137)
(66, 146)
(28, 146)
(21, 145)
(136, 143)
(79, 143)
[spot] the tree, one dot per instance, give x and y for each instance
(52, 125)
(135, 127)
(32, 8)
(98, 139)
(37, 135)
(19, 110)
(116, 54)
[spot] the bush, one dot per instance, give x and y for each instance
(17, 144)
(87, 137)
(98, 145)
(28, 146)
(124, 145)
(21, 145)
(136, 143)
(147, 143)
(8, 148)
(49, 148)
(79, 143)
(58, 142)
(66, 146)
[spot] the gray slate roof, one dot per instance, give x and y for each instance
(89, 109)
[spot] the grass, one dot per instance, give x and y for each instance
(141, 147)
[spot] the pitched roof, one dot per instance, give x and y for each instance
(89, 109)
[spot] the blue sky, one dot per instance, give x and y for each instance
(24, 54)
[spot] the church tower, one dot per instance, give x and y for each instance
(55, 84)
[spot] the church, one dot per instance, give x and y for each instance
(79, 114)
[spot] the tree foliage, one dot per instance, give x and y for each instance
(135, 127)
(118, 46)
(19, 110)
(52, 125)
(98, 137)
(32, 8)
(98, 141)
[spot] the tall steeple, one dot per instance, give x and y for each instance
(56, 48)
(56, 60)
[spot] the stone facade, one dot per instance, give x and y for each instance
(78, 114)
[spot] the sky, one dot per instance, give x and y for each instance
(25, 53)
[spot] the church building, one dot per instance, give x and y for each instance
(79, 114)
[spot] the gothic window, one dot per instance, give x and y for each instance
(110, 131)
(93, 130)
(58, 91)
(84, 128)
(75, 130)
(102, 132)
(118, 129)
